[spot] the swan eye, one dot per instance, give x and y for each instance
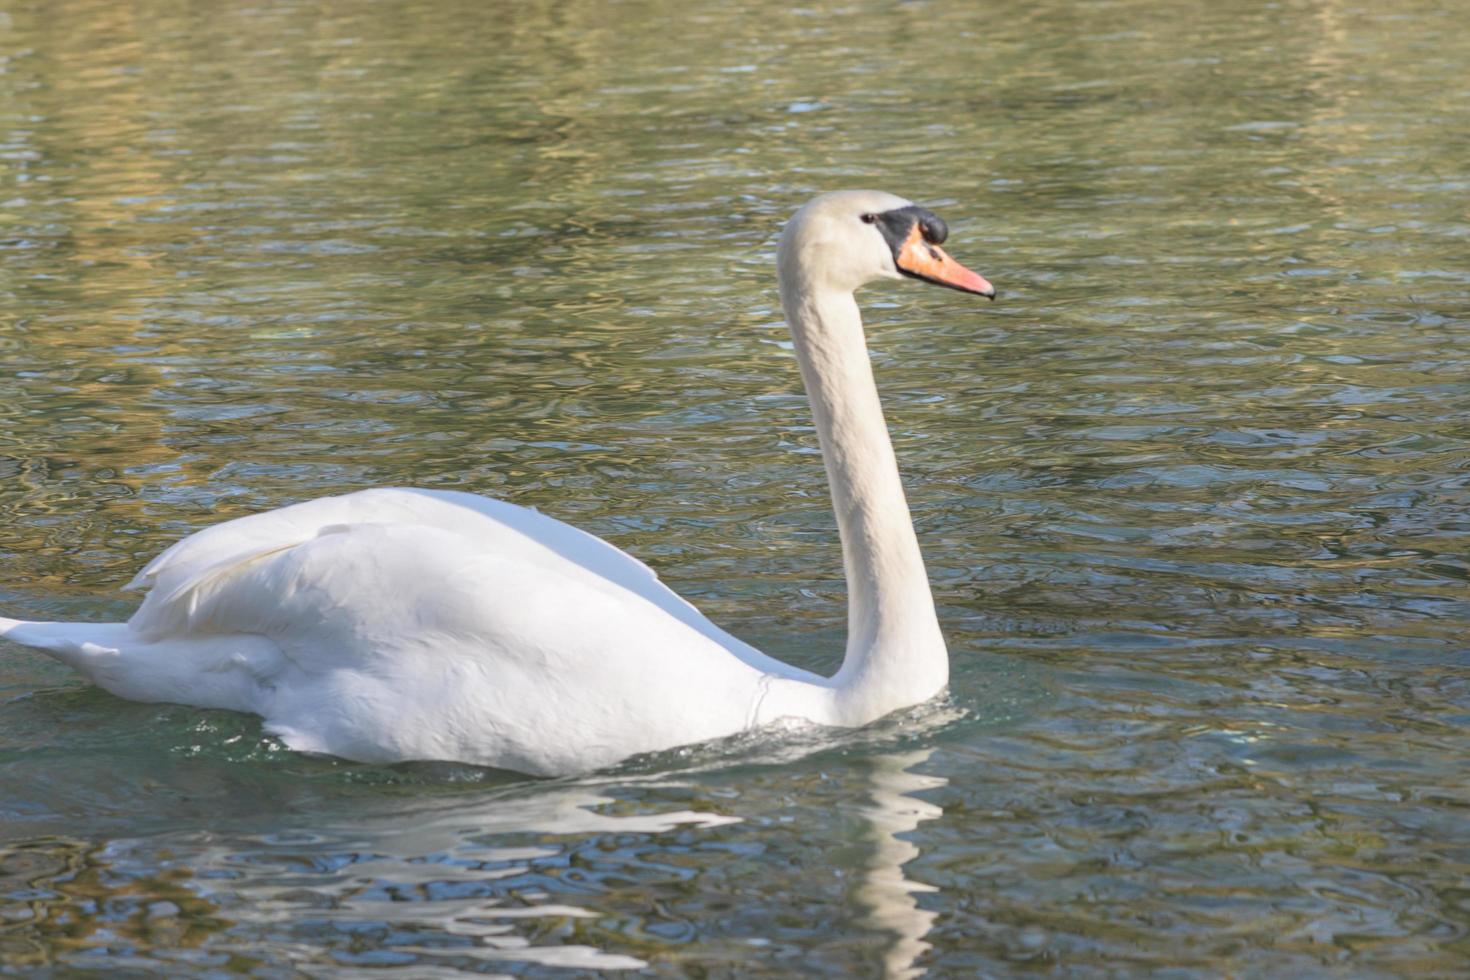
(869, 219)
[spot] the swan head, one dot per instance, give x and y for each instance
(845, 239)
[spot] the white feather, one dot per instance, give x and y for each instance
(403, 624)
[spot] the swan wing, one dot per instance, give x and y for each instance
(411, 624)
(408, 641)
(182, 576)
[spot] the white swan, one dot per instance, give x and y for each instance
(400, 624)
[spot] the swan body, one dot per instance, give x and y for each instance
(398, 624)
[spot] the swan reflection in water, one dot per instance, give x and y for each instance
(885, 893)
(455, 874)
(423, 886)
(576, 876)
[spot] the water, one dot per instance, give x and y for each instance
(1194, 493)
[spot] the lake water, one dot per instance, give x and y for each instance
(1194, 493)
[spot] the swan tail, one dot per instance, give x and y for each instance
(229, 671)
(78, 645)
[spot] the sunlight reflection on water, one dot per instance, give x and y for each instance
(1192, 492)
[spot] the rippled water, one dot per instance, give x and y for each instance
(1195, 493)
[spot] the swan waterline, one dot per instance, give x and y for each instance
(392, 625)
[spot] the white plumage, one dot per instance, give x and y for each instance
(401, 624)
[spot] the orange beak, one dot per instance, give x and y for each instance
(929, 262)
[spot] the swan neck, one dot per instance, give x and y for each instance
(895, 653)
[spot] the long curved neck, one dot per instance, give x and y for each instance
(895, 652)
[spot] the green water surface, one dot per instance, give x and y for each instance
(1194, 492)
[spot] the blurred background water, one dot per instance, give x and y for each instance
(1194, 493)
